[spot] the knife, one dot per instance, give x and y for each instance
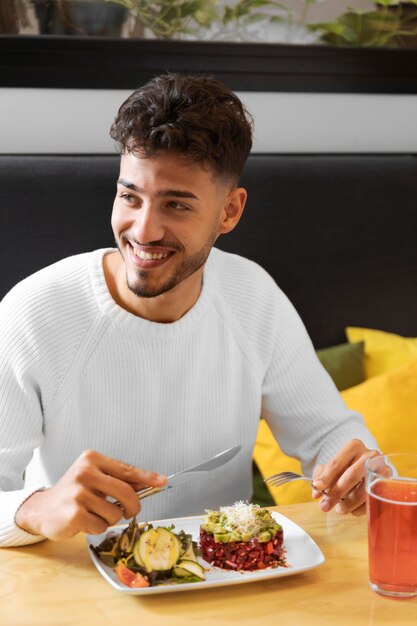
(191, 473)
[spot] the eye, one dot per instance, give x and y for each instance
(178, 206)
(128, 198)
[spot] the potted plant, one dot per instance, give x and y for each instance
(176, 19)
(391, 23)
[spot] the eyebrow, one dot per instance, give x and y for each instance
(177, 193)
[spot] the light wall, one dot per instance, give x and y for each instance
(328, 10)
(77, 121)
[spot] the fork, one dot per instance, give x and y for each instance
(286, 477)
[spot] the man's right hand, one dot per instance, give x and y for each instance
(77, 503)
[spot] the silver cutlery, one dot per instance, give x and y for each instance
(286, 477)
(191, 473)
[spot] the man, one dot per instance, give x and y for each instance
(164, 351)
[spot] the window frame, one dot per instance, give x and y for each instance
(113, 63)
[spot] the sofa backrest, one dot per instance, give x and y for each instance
(337, 232)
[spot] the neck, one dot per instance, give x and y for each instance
(165, 308)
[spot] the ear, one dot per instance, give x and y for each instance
(232, 210)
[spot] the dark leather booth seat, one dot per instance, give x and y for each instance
(337, 232)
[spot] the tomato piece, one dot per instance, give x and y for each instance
(269, 547)
(129, 578)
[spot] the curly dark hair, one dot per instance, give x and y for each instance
(195, 116)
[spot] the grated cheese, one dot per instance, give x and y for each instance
(242, 517)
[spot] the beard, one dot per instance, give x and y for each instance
(189, 265)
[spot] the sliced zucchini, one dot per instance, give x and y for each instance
(189, 554)
(180, 572)
(192, 567)
(136, 554)
(158, 549)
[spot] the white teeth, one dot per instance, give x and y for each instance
(149, 256)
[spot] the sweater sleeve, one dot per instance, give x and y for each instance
(46, 323)
(300, 401)
(21, 421)
(11, 535)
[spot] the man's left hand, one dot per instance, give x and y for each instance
(343, 479)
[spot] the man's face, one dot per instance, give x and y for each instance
(167, 214)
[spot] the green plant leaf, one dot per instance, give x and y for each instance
(206, 16)
(276, 19)
(256, 17)
(228, 15)
(332, 28)
(172, 18)
(387, 3)
(245, 7)
(361, 28)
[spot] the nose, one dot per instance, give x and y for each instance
(148, 227)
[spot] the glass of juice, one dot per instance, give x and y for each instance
(391, 487)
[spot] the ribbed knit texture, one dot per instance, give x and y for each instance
(79, 372)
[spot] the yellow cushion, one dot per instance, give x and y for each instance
(389, 405)
(270, 459)
(383, 351)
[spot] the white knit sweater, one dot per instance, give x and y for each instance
(78, 372)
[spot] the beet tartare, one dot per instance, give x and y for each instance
(242, 537)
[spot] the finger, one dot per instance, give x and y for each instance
(352, 478)
(347, 482)
(353, 501)
(107, 511)
(124, 493)
(89, 494)
(149, 479)
(114, 478)
(361, 510)
(338, 464)
(94, 525)
(123, 471)
(349, 492)
(316, 493)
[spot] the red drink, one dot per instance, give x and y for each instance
(392, 524)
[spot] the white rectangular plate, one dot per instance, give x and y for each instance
(302, 554)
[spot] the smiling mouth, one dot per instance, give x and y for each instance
(150, 256)
(147, 258)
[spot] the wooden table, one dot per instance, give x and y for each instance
(52, 584)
